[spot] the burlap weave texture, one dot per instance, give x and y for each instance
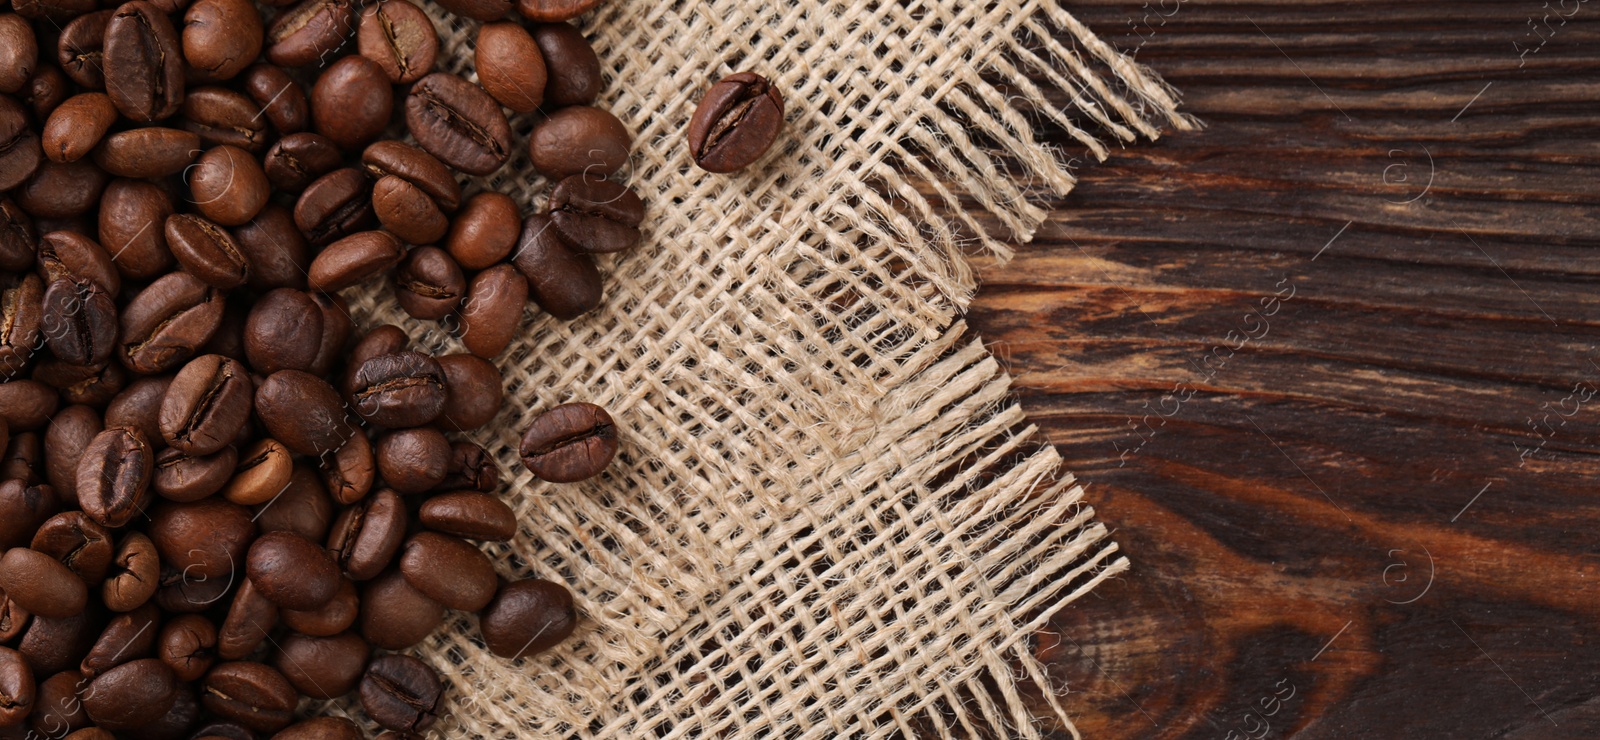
(826, 519)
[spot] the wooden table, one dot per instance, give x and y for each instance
(1331, 370)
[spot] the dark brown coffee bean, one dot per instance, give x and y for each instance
(252, 694)
(413, 460)
(206, 250)
(475, 392)
(554, 11)
(65, 441)
(493, 310)
(579, 140)
(143, 63)
(335, 206)
(78, 543)
(133, 215)
(569, 443)
(62, 190)
(323, 667)
(23, 457)
(77, 126)
(471, 468)
(228, 185)
(139, 407)
(20, 152)
(279, 97)
(41, 584)
(225, 730)
(405, 389)
(128, 637)
(251, 618)
(353, 259)
(13, 618)
(278, 254)
(383, 340)
(303, 412)
(184, 593)
(478, 10)
(527, 618)
(131, 695)
(19, 53)
(135, 570)
(574, 69)
(459, 123)
(177, 720)
(400, 38)
(448, 570)
(293, 572)
(395, 616)
(47, 89)
(54, 12)
(18, 692)
(17, 237)
(366, 536)
(53, 644)
(415, 166)
(147, 152)
(299, 159)
(485, 231)
(94, 385)
(310, 32)
(59, 707)
(23, 508)
(428, 284)
(323, 728)
(402, 694)
(283, 331)
(20, 304)
(406, 210)
(332, 618)
(205, 540)
(81, 49)
(167, 322)
(303, 507)
(596, 215)
(206, 405)
(79, 321)
(188, 645)
(563, 281)
(69, 254)
(224, 117)
(114, 477)
(510, 66)
(736, 122)
(469, 514)
(221, 37)
(263, 472)
(27, 405)
(351, 102)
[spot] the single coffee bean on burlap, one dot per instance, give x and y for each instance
(23, 508)
(569, 443)
(322, 667)
(205, 539)
(228, 186)
(81, 49)
(251, 694)
(471, 468)
(19, 52)
(353, 259)
(277, 252)
(129, 636)
(168, 322)
(297, 160)
(400, 38)
(334, 206)
(310, 32)
(563, 281)
(303, 507)
(554, 11)
(579, 140)
(263, 471)
(77, 125)
(351, 102)
(293, 572)
(207, 404)
(147, 152)
(114, 476)
(404, 389)
(135, 568)
(596, 215)
(527, 618)
(510, 66)
(79, 543)
(280, 98)
(395, 616)
(573, 69)
(485, 231)
(329, 619)
(402, 693)
(221, 37)
(428, 284)
(188, 645)
(132, 695)
(322, 728)
(737, 121)
(79, 321)
(459, 123)
(470, 514)
(283, 331)
(366, 535)
(143, 62)
(20, 152)
(206, 250)
(251, 617)
(41, 584)
(475, 392)
(303, 412)
(133, 214)
(493, 310)
(412, 460)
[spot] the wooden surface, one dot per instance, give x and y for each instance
(1371, 507)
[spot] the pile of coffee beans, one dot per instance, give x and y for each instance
(219, 495)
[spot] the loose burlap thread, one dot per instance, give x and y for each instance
(826, 518)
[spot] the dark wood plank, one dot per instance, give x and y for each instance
(1367, 508)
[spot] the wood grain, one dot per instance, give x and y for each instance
(1331, 370)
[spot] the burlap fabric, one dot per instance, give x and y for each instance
(826, 519)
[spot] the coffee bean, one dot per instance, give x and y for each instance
(139, 407)
(77, 126)
(279, 97)
(229, 339)
(23, 456)
(41, 584)
(459, 123)
(283, 331)
(134, 571)
(47, 89)
(277, 253)
(20, 152)
(527, 618)
(81, 49)
(52, 645)
(400, 38)
(207, 404)
(448, 570)
(574, 68)
(337, 326)
(166, 323)
(303, 412)
(510, 66)
(68, 254)
(27, 405)
(143, 64)
(402, 693)
(395, 616)
(475, 393)
(472, 468)
(299, 159)
(353, 259)
(132, 216)
(322, 728)
(252, 694)
(79, 321)
(20, 304)
(263, 472)
(221, 37)
(78, 543)
(188, 645)
(206, 250)
(17, 237)
(18, 692)
(303, 507)
(251, 618)
(412, 460)
(596, 215)
(485, 231)
(415, 166)
(383, 340)
(569, 443)
(19, 53)
(228, 186)
(183, 593)
(563, 281)
(309, 32)
(224, 117)
(13, 618)
(579, 140)
(428, 284)
(493, 310)
(350, 472)
(331, 618)
(366, 536)
(131, 695)
(406, 210)
(62, 190)
(405, 389)
(323, 667)
(293, 572)
(128, 637)
(94, 385)
(335, 206)
(351, 102)
(114, 477)
(736, 123)
(478, 10)
(23, 508)
(52, 11)
(58, 707)
(469, 514)
(554, 11)
(147, 152)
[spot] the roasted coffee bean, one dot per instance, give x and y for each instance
(23, 456)
(62, 190)
(331, 618)
(406, 210)
(323, 667)
(405, 389)
(282, 330)
(292, 572)
(224, 117)
(527, 618)
(469, 514)
(19, 53)
(322, 728)
(569, 443)
(554, 11)
(54, 12)
(493, 310)
(188, 645)
(229, 339)
(353, 259)
(168, 322)
(400, 38)
(299, 159)
(128, 637)
(279, 97)
(78, 543)
(510, 66)
(221, 37)
(41, 584)
(413, 460)
(395, 616)
(184, 593)
(366, 536)
(135, 571)
(310, 32)
(81, 49)
(415, 166)
(23, 508)
(349, 473)
(206, 405)
(139, 407)
(351, 102)
(337, 326)
(428, 284)
(471, 468)
(13, 618)
(402, 694)
(563, 281)
(206, 250)
(17, 237)
(475, 392)
(20, 303)
(205, 539)
(228, 186)
(77, 126)
(59, 708)
(47, 89)
(263, 472)
(459, 123)
(66, 253)
(94, 385)
(114, 477)
(383, 340)
(574, 69)
(56, 644)
(478, 10)
(579, 140)
(143, 63)
(335, 206)
(133, 214)
(131, 695)
(177, 720)
(79, 321)
(303, 412)
(448, 570)
(68, 435)
(252, 694)
(485, 231)
(303, 507)
(736, 122)
(278, 254)
(251, 618)
(27, 405)
(20, 151)
(18, 692)
(147, 152)
(596, 215)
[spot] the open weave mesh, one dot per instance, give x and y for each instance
(826, 519)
